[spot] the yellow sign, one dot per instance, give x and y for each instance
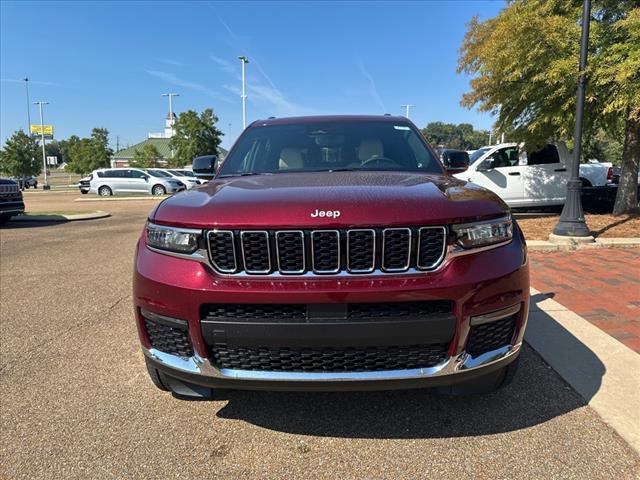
(37, 130)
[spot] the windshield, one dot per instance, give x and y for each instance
(184, 173)
(477, 154)
(322, 147)
(159, 173)
(176, 173)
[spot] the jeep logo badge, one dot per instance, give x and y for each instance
(326, 213)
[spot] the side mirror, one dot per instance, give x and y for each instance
(205, 166)
(455, 161)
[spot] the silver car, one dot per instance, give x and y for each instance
(185, 176)
(189, 182)
(109, 181)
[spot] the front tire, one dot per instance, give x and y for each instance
(105, 191)
(158, 190)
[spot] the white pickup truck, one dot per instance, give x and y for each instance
(532, 179)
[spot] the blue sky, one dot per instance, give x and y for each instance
(105, 64)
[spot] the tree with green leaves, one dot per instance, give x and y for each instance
(147, 156)
(524, 64)
(449, 135)
(89, 154)
(19, 156)
(195, 135)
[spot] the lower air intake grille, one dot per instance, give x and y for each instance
(399, 309)
(489, 336)
(169, 339)
(357, 359)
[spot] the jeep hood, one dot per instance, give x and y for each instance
(373, 199)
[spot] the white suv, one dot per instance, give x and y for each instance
(531, 179)
(109, 181)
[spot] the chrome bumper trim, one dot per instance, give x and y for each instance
(461, 363)
(495, 315)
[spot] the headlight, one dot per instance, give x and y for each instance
(181, 240)
(482, 234)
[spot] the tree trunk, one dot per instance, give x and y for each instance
(627, 196)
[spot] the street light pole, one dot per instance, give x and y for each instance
(26, 86)
(572, 222)
(407, 107)
(171, 95)
(244, 61)
(44, 155)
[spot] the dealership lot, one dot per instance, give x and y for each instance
(77, 403)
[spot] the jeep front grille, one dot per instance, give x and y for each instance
(326, 252)
(9, 189)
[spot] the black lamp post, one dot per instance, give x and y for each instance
(572, 222)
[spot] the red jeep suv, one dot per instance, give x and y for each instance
(331, 253)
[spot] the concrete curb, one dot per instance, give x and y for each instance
(121, 199)
(597, 366)
(546, 246)
(55, 217)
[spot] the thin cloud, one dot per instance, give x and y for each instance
(170, 61)
(34, 82)
(371, 90)
(261, 90)
(223, 64)
(174, 80)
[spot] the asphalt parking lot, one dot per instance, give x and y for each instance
(76, 401)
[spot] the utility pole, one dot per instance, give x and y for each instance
(571, 223)
(44, 154)
(407, 107)
(490, 137)
(244, 61)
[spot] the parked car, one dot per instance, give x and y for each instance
(30, 182)
(110, 181)
(189, 175)
(85, 184)
(11, 202)
(331, 253)
(188, 181)
(529, 179)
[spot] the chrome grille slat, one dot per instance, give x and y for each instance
(256, 254)
(322, 253)
(396, 249)
(290, 251)
(327, 251)
(219, 242)
(358, 250)
(431, 247)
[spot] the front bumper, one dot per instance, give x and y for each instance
(11, 207)
(484, 287)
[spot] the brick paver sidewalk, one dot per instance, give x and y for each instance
(602, 286)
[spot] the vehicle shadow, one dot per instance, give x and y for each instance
(13, 225)
(537, 395)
